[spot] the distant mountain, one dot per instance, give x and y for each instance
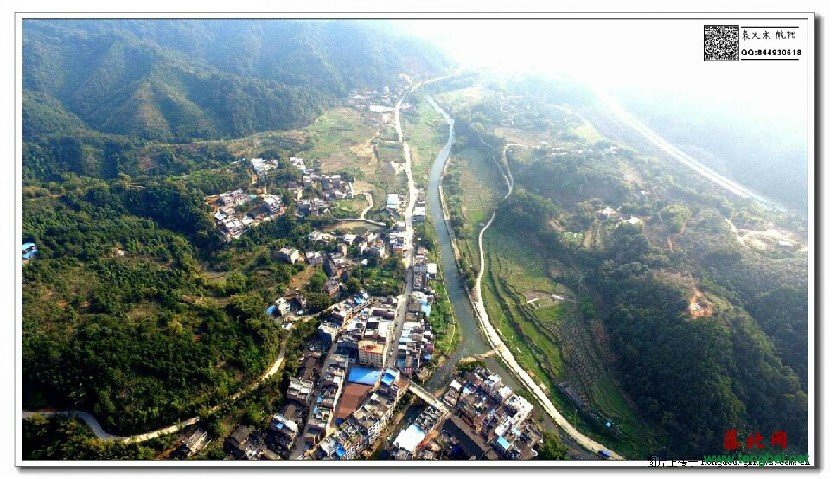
(203, 79)
(763, 153)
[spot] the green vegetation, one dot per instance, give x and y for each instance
(426, 133)
(70, 439)
(442, 318)
(136, 311)
(382, 278)
(552, 338)
(158, 79)
(552, 449)
(389, 152)
(472, 188)
(120, 316)
(333, 139)
(727, 356)
(624, 330)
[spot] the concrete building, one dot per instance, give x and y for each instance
(289, 255)
(371, 353)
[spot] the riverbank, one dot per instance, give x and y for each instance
(492, 336)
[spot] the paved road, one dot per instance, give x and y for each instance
(300, 445)
(504, 352)
(88, 418)
(99, 432)
(734, 187)
(408, 257)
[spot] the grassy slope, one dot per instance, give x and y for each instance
(552, 342)
(481, 187)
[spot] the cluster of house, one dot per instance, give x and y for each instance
(312, 207)
(609, 213)
(423, 270)
(191, 444)
(361, 326)
(409, 443)
(357, 394)
(233, 224)
(247, 443)
(393, 202)
(321, 416)
(262, 167)
(357, 432)
(566, 151)
(336, 263)
(229, 207)
(287, 425)
(415, 346)
(334, 186)
(298, 163)
(376, 101)
(563, 151)
(497, 416)
(419, 212)
(366, 332)
(509, 106)
(284, 306)
(397, 238)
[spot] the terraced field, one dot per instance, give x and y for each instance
(553, 337)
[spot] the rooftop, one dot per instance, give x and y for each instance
(410, 438)
(361, 375)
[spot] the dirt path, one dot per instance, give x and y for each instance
(371, 203)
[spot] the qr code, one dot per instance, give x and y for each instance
(720, 42)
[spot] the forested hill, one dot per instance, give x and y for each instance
(202, 79)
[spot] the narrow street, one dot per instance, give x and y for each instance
(409, 250)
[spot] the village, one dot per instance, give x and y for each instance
(479, 417)
(368, 348)
(349, 395)
(357, 391)
(355, 373)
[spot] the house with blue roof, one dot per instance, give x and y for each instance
(29, 250)
(502, 443)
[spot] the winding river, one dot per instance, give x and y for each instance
(472, 341)
(478, 333)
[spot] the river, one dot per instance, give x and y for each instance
(473, 339)
(472, 342)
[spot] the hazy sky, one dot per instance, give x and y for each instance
(665, 55)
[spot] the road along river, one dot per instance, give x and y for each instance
(478, 334)
(472, 342)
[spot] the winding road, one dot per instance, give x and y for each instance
(504, 352)
(732, 186)
(99, 432)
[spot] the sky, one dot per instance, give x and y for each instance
(665, 56)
